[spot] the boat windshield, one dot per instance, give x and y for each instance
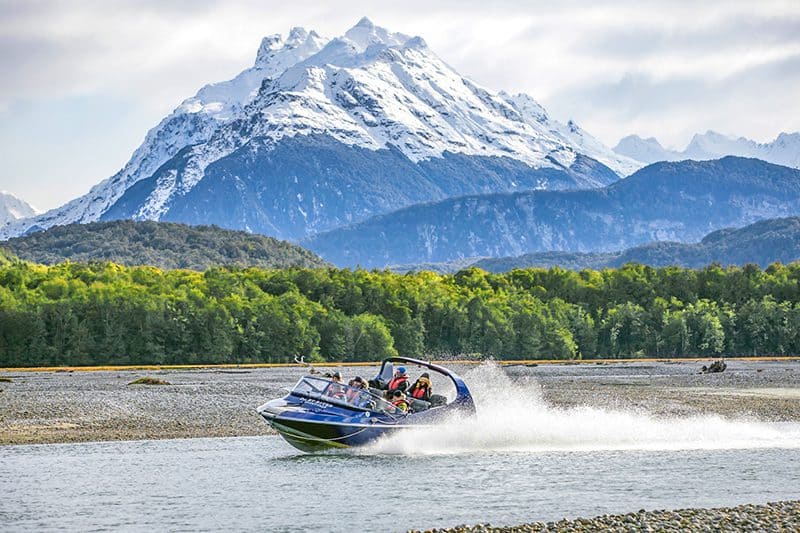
(341, 394)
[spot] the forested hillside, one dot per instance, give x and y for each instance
(679, 202)
(162, 244)
(763, 243)
(103, 313)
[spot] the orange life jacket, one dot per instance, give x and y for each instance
(421, 388)
(396, 382)
(419, 391)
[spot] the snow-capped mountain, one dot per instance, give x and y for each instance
(192, 122)
(784, 150)
(371, 96)
(13, 208)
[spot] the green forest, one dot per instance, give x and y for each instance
(104, 313)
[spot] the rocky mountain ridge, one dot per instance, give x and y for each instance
(680, 201)
(368, 89)
(784, 150)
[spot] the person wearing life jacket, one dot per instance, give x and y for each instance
(355, 388)
(398, 382)
(399, 401)
(336, 389)
(421, 390)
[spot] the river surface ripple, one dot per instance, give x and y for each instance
(262, 484)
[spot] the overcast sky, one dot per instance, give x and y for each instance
(82, 81)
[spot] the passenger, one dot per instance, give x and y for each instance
(399, 401)
(399, 381)
(356, 385)
(336, 389)
(421, 390)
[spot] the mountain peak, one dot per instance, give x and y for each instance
(365, 34)
(13, 208)
(296, 36)
(365, 22)
(269, 45)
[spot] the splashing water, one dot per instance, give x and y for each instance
(513, 417)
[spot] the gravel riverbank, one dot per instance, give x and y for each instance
(776, 516)
(62, 406)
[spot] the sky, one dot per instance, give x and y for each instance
(82, 81)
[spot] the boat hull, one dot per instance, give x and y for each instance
(314, 436)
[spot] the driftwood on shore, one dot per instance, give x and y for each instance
(715, 367)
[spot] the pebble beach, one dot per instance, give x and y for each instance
(775, 516)
(39, 407)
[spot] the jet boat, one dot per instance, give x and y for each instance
(320, 414)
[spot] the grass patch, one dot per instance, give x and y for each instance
(6, 380)
(149, 381)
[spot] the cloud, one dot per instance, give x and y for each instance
(617, 67)
(672, 109)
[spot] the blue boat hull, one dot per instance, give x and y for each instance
(319, 414)
(310, 436)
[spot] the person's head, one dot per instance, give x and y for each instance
(425, 378)
(401, 371)
(398, 395)
(359, 382)
(337, 377)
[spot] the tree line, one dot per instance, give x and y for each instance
(104, 313)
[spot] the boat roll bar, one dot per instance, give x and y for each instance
(463, 396)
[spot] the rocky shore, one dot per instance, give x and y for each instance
(64, 406)
(776, 516)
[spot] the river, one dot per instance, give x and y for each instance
(519, 460)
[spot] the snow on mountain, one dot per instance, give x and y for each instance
(370, 88)
(645, 150)
(13, 208)
(784, 150)
(192, 122)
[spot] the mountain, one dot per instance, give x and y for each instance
(13, 209)
(324, 132)
(192, 122)
(784, 150)
(161, 244)
(763, 243)
(665, 201)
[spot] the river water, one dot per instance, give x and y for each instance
(518, 461)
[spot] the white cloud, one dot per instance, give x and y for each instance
(666, 69)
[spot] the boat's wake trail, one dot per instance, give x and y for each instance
(513, 417)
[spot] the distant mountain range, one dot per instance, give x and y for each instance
(784, 150)
(161, 244)
(763, 243)
(13, 209)
(324, 132)
(665, 201)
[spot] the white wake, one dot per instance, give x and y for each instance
(512, 417)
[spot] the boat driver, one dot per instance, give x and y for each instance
(355, 386)
(336, 389)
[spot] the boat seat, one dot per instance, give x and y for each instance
(438, 400)
(418, 405)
